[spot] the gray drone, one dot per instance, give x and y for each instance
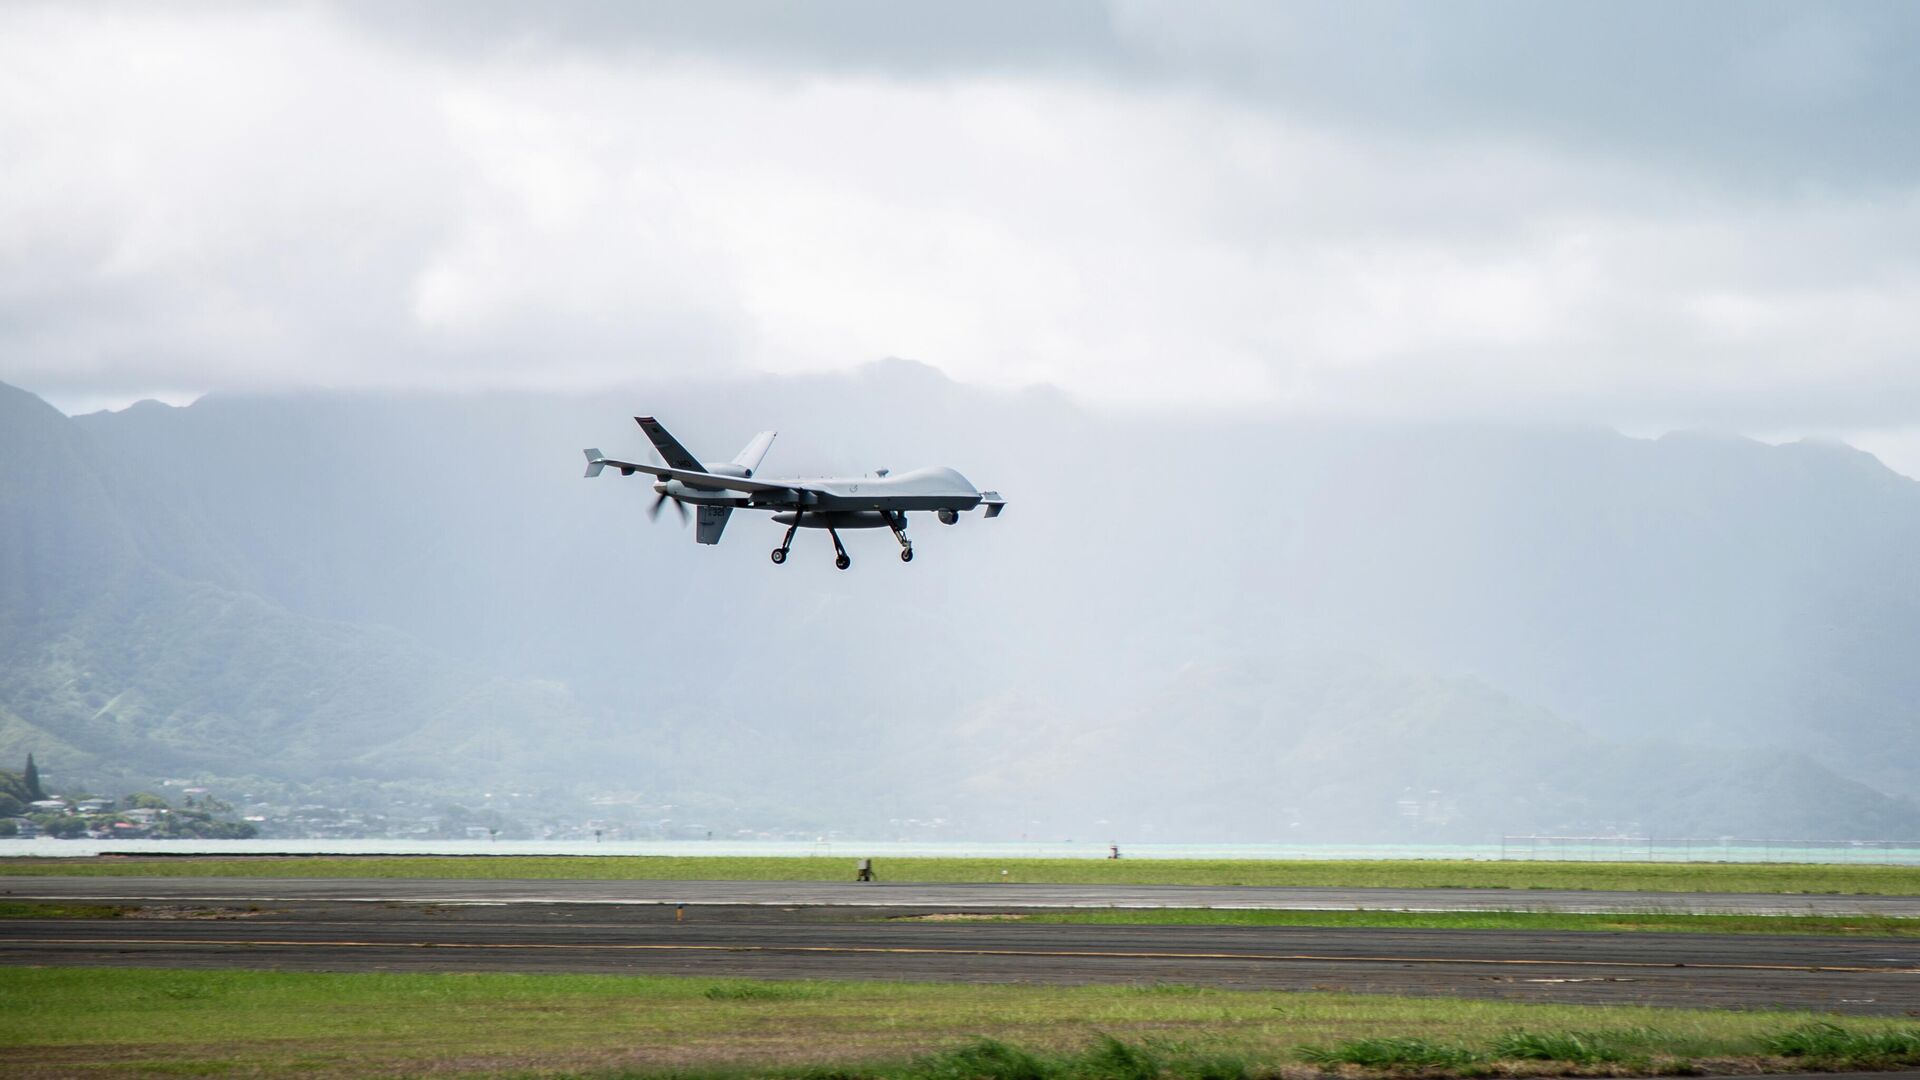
(879, 500)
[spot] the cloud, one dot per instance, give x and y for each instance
(1768, 91)
(1624, 215)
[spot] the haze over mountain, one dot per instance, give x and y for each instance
(1183, 628)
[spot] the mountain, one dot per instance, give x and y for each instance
(1551, 628)
(1309, 744)
(112, 660)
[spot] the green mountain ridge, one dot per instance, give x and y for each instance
(1409, 635)
(110, 663)
(1311, 744)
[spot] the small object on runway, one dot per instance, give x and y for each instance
(865, 867)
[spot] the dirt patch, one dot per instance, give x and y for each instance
(170, 912)
(960, 916)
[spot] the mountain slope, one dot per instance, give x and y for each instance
(1695, 588)
(1312, 745)
(113, 663)
(1555, 629)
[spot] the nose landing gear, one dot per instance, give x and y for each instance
(898, 523)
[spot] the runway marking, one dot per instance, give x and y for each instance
(1058, 954)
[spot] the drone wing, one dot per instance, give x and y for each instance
(675, 455)
(691, 477)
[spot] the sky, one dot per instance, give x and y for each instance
(1642, 215)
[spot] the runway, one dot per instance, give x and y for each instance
(1863, 976)
(950, 897)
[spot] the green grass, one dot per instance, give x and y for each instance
(1577, 1047)
(1828, 1044)
(1393, 1052)
(749, 990)
(1107, 1058)
(80, 1021)
(1651, 922)
(1407, 873)
(1822, 1045)
(14, 909)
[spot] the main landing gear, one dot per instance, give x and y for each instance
(780, 553)
(840, 557)
(898, 523)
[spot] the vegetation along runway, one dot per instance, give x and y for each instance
(1833, 974)
(944, 895)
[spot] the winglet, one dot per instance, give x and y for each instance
(595, 461)
(993, 502)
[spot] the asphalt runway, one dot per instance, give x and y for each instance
(1846, 975)
(958, 897)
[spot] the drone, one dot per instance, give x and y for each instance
(881, 499)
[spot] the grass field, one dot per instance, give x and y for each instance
(1846, 926)
(1444, 874)
(77, 1021)
(13, 909)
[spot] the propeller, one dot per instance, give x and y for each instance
(653, 512)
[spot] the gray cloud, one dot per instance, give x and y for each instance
(1780, 91)
(1768, 92)
(864, 35)
(1625, 214)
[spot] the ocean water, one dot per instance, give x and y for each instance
(1514, 848)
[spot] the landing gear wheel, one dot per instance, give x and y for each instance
(842, 561)
(906, 554)
(779, 556)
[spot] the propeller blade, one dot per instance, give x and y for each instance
(682, 507)
(653, 512)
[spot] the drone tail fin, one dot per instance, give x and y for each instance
(751, 454)
(595, 461)
(709, 522)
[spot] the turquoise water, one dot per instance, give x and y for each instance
(1520, 848)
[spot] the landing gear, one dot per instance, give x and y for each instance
(839, 553)
(780, 553)
(898, 523)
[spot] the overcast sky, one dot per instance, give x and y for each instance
(1641, 215)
